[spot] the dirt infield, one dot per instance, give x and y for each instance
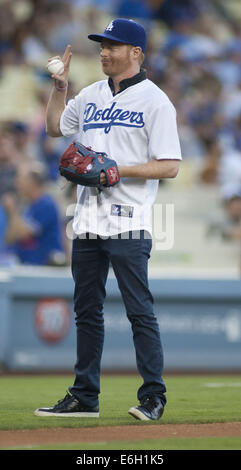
(112, 433)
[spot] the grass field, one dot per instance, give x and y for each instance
(191, 399)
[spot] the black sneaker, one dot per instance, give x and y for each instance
(150, 408)
(69, 407)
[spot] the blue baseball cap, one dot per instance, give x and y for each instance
(124, 31)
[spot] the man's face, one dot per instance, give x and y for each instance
(116, 57)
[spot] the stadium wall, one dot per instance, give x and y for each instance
(200, 323)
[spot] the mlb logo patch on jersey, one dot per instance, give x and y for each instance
(122, 211)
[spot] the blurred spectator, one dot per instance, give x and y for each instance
(7, 31)
(203, 114)
(35, 234)
(135, 9)
(230, 102)
(227, 66)
(10, 156)
(5, 256)
(222, 165)
(46, 149)
(229, 170)
(3, 227)
(171, 11)
(210, 170)
(228, 226)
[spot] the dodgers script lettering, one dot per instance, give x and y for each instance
(106, 118)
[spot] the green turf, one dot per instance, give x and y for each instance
(198, 443)
(189, 400)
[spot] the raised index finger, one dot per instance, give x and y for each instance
(66, 53)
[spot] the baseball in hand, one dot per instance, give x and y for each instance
(56, 67)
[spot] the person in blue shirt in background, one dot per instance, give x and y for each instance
(3, 227)
(34, 234)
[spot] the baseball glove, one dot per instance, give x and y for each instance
(82, 165)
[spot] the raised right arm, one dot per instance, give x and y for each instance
(57, 99)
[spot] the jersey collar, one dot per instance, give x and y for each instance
(128, 81)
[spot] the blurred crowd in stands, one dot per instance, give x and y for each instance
(193, 54)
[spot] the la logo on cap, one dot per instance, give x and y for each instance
(110, 26)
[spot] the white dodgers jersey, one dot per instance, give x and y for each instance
(133, 127)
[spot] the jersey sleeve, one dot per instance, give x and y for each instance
(163, 135)
(69, 121)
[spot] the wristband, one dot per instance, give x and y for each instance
(60, 88)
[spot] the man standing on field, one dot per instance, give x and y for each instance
(130, 119)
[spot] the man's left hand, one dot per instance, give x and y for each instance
(102, 178)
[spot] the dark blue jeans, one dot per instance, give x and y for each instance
(90, 265)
